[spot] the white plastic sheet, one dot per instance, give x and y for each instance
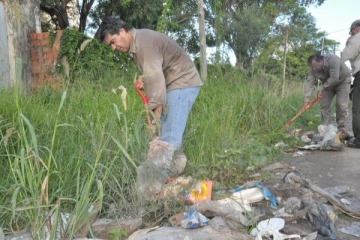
(271, 227)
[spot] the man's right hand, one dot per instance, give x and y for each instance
(140, 83)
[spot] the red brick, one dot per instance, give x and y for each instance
(49, 62)
(43, 58)
(33, 36)
(51, 55)
(44, 35)
(45, 49)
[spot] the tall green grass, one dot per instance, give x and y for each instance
(70, 150)
(58, 151)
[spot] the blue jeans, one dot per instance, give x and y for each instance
(173, 120)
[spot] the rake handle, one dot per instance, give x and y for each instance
(303, 110)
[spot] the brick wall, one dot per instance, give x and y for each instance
(43, 59)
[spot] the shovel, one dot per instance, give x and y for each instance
(303, 110)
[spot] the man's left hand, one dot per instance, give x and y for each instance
(157, 113)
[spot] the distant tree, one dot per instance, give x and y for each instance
(58, 10)
(303, 40)
(139, 13)
(245, 24)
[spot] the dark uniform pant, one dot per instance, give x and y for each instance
(341, 91)
(356, 108)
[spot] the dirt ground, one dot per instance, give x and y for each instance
(329, 169)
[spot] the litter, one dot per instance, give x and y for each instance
(353, 229)
(245, 195)
(327, 139)
(268, 195)
(193, 219)
(331, 140)
(201, 192)
(323, 218)
(271, 227)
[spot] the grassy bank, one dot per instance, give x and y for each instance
(63, 151)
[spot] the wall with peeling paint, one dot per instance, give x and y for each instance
(17, 20)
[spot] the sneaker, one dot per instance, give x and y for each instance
(352, 144)
(179, 164)
(344, 135)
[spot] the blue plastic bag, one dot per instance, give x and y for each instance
(193, 219)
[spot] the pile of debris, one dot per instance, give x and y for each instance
(285, 207)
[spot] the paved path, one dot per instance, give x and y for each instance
(331, 168)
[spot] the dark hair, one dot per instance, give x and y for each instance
(112, 25)
(317, 57)
(355, 24)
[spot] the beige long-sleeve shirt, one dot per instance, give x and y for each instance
(352, 53)
(332, 73)
(164, 65)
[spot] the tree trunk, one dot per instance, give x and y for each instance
(203, 64)
(85, 10)
(57, 12)
(284, 64)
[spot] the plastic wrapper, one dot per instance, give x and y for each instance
(193, 219)
(202, 191)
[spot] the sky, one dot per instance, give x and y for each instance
(335, 17)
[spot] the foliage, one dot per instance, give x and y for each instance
(59, 159)
(252, 21)
(85, 54)
(164, 18)
(140, 14)
(253, 30)
(82, 147)
(302, 41)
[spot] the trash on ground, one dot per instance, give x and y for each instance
(322, 217)
(293, 177)
(153, 173)
(310, 147)
(232, 212)
(176, 188)
(202, 191)
(353, 229)
(300, 153)
(178, 233)
(268, 195)
(245, 197)
(271, 228)
(327, 138)
(193, 219)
